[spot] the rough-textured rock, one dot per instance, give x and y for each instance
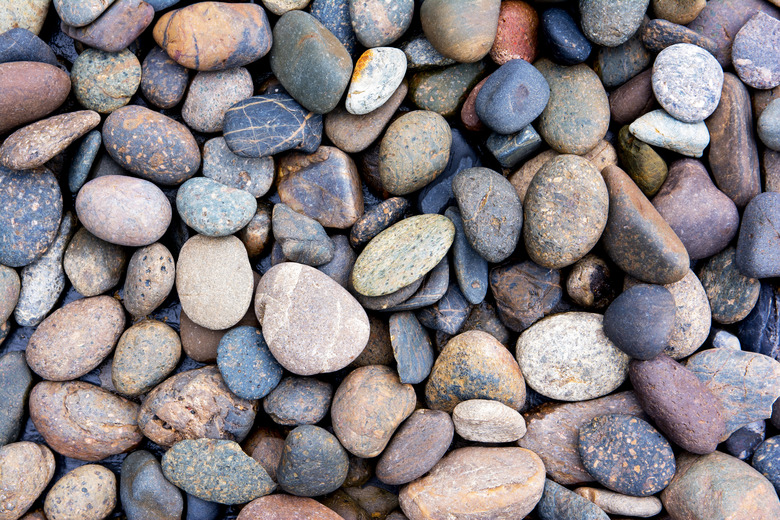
(560, 503)
(756, 64)
(25, 470)
(163, 81)
(256, 236)
(212, 208)
(380, 22)
(151, 273)
(29, 15)
(93, 265)
(524, 293)
(246, 364)
(765, 460)
(610, 23)
(618, 504)
(376, 220)
(517, 33)
(488, 421)
(116, 28)
(18, 79)
(445, 90)
(732, 295)
(85, 493)
(420, 54)
(17, 380)
(313, 462)
(105, 81)
(145, 354)
(658, 34)
(298, 400)
(678, 11)
(461, 30)
(144, 491)
(286, 507)
(592, 283)
(758, 239)
(640, 321)
(211, 94)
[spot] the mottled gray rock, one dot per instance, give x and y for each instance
(253, 174)
(16, 380)
(93, 265)
(754, 52)
(758, 255)
(211, 94)
(301, 238)
(560, 503)
(611, 22)
(144, 491)
(657, 128)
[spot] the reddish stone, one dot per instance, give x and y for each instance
(517, 34)
(468, 114)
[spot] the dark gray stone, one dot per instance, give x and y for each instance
(343, 260)
(19, 44)
(412, 348)
(767, 460)
(743, 442)
(471, 270)
(639, 322)
(334, 15)
(758, 246)
(301, 238)
(563, 37)
(313, 462)
(731, 294)
(437, 195)
(510, 149)
(83, 160)
(144, 491)
(560, 503)
(760, 331)
(298, 400)
(447, 314)
(433, 288)
(16, 380)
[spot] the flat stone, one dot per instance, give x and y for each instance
(511, 149)
(378, 73)
(732, 295)
(163, 81)
(658, 128)
(313, 462)
(482, 420)
(29, 15)
(592, 283)
(517, 33)
(105, 81)
(471, 269)
(212, 208)
(753, 54)
(19, 44)
(560, 503)
(640, 321)
(151, 274)
(27, 469)
(563, 36)
(19, 80)
(524, 293)
(145, 354)
(617, 65)
(116, 28)
(444, 90)
(211, 94)
(461, 30)
(412, 348)
(380, 22)
(611, 23)
(90, 489)
(632, 99)
(448, 314)
(17, 380)
(678, 11)
(619, 504)
(298, 400)
(83, 160)
(641, 162)
(246, 364)
(757, 241)
(144, 491)
(279, 506)
(93, 265)
(334, 15)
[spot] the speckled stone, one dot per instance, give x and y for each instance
(145, 354)
(616, 65)
(279, 7)
(444, 90)
(378, 73)
(757, 241)
(474, 365)
(408, 250)
(254, 175)
(633, 99)
(29, 15)
(77, 13)
(420, 54)
(25, 471)
(90, 327)
(477, 481)
(18, 80)
(313, 462)
(10, 285)
(163, 81)
(83, 160)
(448, 314)
(123, 210)
(144, 491)
(576, 94)
(618, 504)
(563, 37)
(610, 23)
(380, 22)
(766, 460)
(512, 97)
(524, 293)
(266, 125)
(641, 162)
(640, 321)
(334, 15)
(246, 364)
(93, 265)
(560, 503)
(17, 380)
(367, 408)
(116, 28)
(516, 35)
(214, 209)
(461, 30)
(216, 470)
(211, 94)
(753, 55)
(32, 204)
(592, 283)
(377, 219)
(301, 238)
(82, 421)
(150, 276)
(471, 269)
(732, 295)
(240, 32)
(105, 81)
(280, 506)
(678, 11)
(483, 420)
(88, 492)
(679, 404)
(19, 44)
(412, 348)
(658, 128)
(659, 34)
(298, 400)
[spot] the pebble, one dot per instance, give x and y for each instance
(18, 79)
(769, 126)
(380, 22)
(377, 75)
(246, 364)
(474, 365)
(216, 471)
(591, 282)
(239, 34)
(703, 217)
(562, 35)
(145, 355)
(340, 267)
(90, 327)
(93, 265)
(659, 34)
(641, 162)
(256, 236)
(743, 442)
(19, 44)
(279, 7)
(286, 506)
(756, 333)
(524, 293)
(576, 94)
(79, 14)
(211, 94)
(448, 314)
(105, 81)
(85, 493)
(766, 460)
(29, 15)
(212, 208)
(17, 382)
(10, 285)
(560, 503)
(462, 30)
(151, 274)
(657, 128)
(83, 160)
(116, 28)
(611, 23)
(334, 15)
(165, 415)
(681, 406)
(632, 99)
(437, 196)
(458, 485)
(618, 504)
(201, 343)
(482, 420)
(678, 11)
(509, 150)
(214, 281)
(754, 52)
(517, 33)
(757, 239)
(412, 348)
(368, 407)
(308, 447)
(640, 321)
(298, 400)
(471, 269)
(491, 211)
(376, 220)
(512, 97)
(566, 207)
(144, 491)
(732, 295)
(163, 81)
(82, 421)
(418, 444)
(26, 468)
(617, 65)
(444, 90)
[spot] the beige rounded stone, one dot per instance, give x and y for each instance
(617, 504)
(86, 493)
(151, 273)
(25, 470)
(482, 420)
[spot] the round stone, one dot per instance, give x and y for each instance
(754, 52)
(732, 295)
(93, 266)
(769, 126)
(482, 420)
(163, 81)
(89, 491)
(298, 400)
(252, 174)
(213, 209)
(640, 321)
(611, 22)
(144, 491)
(380, 22)
(626, 454)
(279, 7)
(132, 16)
(687, 82)
(25, 471)
(678, 11)
(211, 94)
(79, 14)
(151, 274)
(378, 73)
(313, 462)
(104, 81)
(145, 354)
(246, 364)
(567, 357)
(463, 30)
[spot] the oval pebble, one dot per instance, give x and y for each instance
(482, 420)
(313, 462)
(88, 492)
(25, 470)
(145, 354)
(105, 81)
(298, 400)
(151, 273)
(213, 209)
(246, 364)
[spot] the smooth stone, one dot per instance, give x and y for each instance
(83, 421)
(516, 34)
(17, 380)
(313, 462)
(474, 365)
(145, 354)
(657, 128)
(216, 470)
(434, 285)
(563, 37)
(758, 241)
(269, 124)
(239, 34)
(83, 160)
(298, 400)
(757, 332)
(268, 452)
(617, 65)
(378, 73)
(151, 274)
(301, 239)
(29, 15)
(753, 54)
(471, 269)
(409, 249)
(380, 22)
(566, 208)
(632, 99)
(738, 491)
(723, 339)
(211, 94)
(681, 406)
(769, 127)
(10, 286)
(418, 444)
(462, 30)
(214, 209)
(44, 280)
(93, 265)
(412, 348)
(746, 383)
(437, 196)
(610, 23)
(105, 81)
(340, 268)
(79, 14)
(766, 460)
(324, 186)
(32, 91)
(166, 417)
(163, 81)
(376, 220)
(90, 328)
(678, 11)
(199, 509)
(509, 150)
(743, 442)
(660, 33)
(457, 487)
(560, 503)
(619, 504)
(732, 295)
(19, 44)
(576, 94)
(334, 15)
(524, 293)
(26, 468)
(279, 7)
(256, 236)
(448, 314)
(89, 491)
(116, 28)
(246, 364)
(482, 420)
(444, 90)
(144, 492)
(311, 324)
(591, 282)
(552, 431)
(420, 54)
(32, 210)
(636, 237)
(368, 406)
(640, 321)
(641, 162)
(279, 505)
(305, 54)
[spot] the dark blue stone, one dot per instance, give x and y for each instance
(743, 442)
(298, 400)
(437, 195)
(19, 44)
(560, 503)
(767, 460)
(510, 149)
(199, 509)
(334, 15)
(163, 81)
(512, 97)
(83, 160)
(265, 125)
(313, 462)
(431, 291)
(471, 270)
(412, 347)
(760, 331)
(640, 321)
(447, 314)
(246, 364)
(563, 38)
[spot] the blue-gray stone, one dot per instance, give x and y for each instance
(616, 65)
(743, 442)
(83, 160)
(199, 509)
(758, 246)
(213, 209)
(78, 13)
(253, 174)
(298, 400)
(471, 270)
(560, 503)
(640, 321)
(420, 54)
(769, 126)
(313, 462)
(302, 239)
(512, 97)
(510, 149)
(343, 260)
(31, 204)
(159, 5)
(246, 364)
(266, 125)
(412, 347)
(334, 15)
(16, 380)
(447, 314)
(19, 44)
(432, 290)
(760, 331)
(767, 460)
(562, 36)
(380, 23)
(144, 492)
(437, 195)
